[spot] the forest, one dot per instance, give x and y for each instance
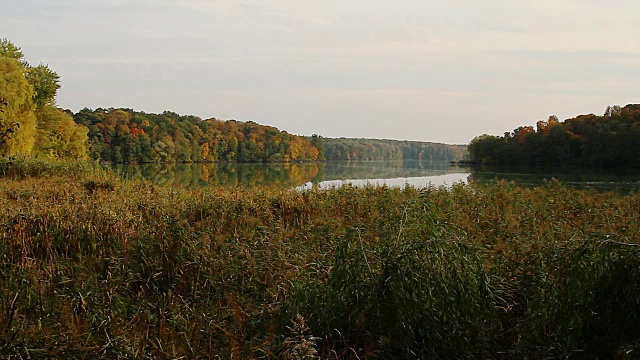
(128, 136)
(379, 149)
(609, 140)
(31, 124)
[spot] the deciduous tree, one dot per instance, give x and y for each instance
(17, 119)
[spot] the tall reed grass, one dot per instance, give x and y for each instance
(93, 266)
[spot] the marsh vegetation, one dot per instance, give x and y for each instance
(92, 265)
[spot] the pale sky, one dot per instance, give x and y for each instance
(442, 71)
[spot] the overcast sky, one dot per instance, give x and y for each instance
(443, 71)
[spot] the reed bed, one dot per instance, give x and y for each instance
(94, 266)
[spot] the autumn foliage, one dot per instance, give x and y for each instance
(128, 136)
(612, 139)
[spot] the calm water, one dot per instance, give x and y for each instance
(391, 173)
(621, 180)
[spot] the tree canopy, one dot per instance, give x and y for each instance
(45, 84)
(11, 51)
(378, 149)
(17, 118)
(128, 136)
(612, 139)
(30, 122)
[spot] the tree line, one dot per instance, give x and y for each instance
(612, 139)
(128, 136)
(381, 149)
(31, 124)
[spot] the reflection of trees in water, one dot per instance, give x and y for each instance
(347, 170)
(622, 179)
(296, 174)
(281, 174)
(197, 175)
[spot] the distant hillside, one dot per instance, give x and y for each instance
(128, 136)
(378, 149)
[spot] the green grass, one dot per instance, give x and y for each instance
(93, 266)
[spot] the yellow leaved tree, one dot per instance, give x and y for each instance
(30, 122)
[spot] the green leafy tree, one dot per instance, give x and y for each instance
(316, 141)
(45, 84)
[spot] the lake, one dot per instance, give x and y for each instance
(360, 173)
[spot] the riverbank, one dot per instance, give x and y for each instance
(95, 266)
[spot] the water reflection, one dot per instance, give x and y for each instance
(350, 170)
(201, 175)
(602, 179)
(390, 173)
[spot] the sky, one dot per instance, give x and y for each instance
(426, 70)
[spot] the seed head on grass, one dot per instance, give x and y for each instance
(300, 345)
